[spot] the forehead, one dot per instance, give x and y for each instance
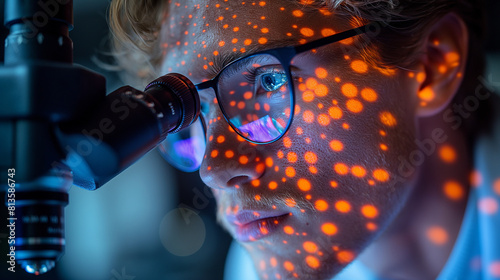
(196, 35)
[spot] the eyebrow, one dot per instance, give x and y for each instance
(223, 59)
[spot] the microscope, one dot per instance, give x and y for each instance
(59, 128)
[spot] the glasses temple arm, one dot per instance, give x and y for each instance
(332, 39)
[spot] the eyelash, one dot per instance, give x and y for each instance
(253, 73)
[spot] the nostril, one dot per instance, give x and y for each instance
(238, 180)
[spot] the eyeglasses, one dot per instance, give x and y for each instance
(256, 95)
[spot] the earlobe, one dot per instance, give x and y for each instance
(443, 64)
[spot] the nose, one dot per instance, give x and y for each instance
(230, 161)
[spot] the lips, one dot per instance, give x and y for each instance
(254, 225)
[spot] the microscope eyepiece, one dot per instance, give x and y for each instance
(185, 92)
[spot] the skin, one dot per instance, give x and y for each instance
(345, 174)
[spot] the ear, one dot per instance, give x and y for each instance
(442, 64)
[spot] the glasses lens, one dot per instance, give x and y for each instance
(255, 95)
(185, 149)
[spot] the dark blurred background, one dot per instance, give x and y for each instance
(131, 227)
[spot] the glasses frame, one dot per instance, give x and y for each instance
(285, 56)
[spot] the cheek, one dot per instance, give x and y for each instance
(339, 168)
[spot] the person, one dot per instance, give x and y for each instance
(337, 132)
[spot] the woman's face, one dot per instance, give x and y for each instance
(306, 205)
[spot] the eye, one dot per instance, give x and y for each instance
(273, 81)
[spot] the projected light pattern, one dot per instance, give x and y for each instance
(309, 203)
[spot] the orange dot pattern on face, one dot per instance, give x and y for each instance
(310, 247)
(273, 185)
(214, 153)
(381, 175)
(359, 66)
(287, 142)
(312, 262)
(311, 83)
(437, 235)
(452, 58)
(304, 184)
(354, 105)
(336, 145)
(269, 162)
(349, 90)
(221, 139)
(273, 262)
(289, 230)
(453, 190)
(329, 229)
(321, 73)
(341, 168)
(442, 69)
(290, 171)
(447, 154)
(327, 32)
(345, 256)
(347, 41)
(262, 264)
(307, 32)
(241, 105)
(229, 154)
(308, 96)
(369, 95)
(280, 154)
(371, 226)
(426, 94)
(387, 119)
(311, 157)
(343, 206)
(248, 95)
(288, 266)
(369, 211)
(297, 13)
(421, 77)
(321, 205)
(321, 90)
(243, 159)
(292, 157)
(313, 169)
(335, 113)
(323, 120)
(290, 202)
(358, 171)
(308, 116)
(260, 167)
(496, 186)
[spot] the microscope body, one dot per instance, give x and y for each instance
(39, 89)
(59, 128)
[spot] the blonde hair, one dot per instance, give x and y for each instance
(135, 25)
